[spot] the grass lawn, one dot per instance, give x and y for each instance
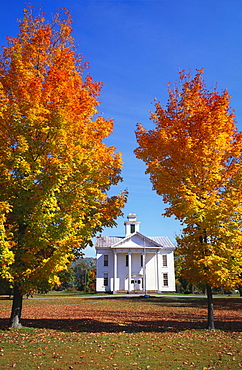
(122, 333)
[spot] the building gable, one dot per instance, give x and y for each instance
(140, 241)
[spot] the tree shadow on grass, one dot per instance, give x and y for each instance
(112, 322)
(98, 326)
(231, 304)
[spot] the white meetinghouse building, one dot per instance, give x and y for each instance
(135, 263)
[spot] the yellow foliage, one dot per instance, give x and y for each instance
(193, 158)
(55, 170)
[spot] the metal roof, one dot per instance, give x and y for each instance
(108, 241)
(164, 241)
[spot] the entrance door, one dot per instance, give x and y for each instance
(137, 284)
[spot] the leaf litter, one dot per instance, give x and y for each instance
(122, 334)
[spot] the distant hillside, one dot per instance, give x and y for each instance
(91, 261)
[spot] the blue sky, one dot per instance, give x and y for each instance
(135, 48)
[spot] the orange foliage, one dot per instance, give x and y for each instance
(193, 157)
(55, 170)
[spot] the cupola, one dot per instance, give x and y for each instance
(132, 225)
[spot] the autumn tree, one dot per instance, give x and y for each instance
(193, 157)
(55, 169)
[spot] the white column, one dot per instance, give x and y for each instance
(144, 273)
(114, 271)
(129, 262)
(158, 270)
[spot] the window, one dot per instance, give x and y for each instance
(165, 279)
(127, 259)
(141, 260)
(105, 259)
(105, 279)
(164, 259)
(132, 228)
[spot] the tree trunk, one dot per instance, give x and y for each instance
(210, 308)
(240, 291)
(14, 321)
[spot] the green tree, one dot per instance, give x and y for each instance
(193, 157)
(82, 270)
(67, 277)
(55, 169)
